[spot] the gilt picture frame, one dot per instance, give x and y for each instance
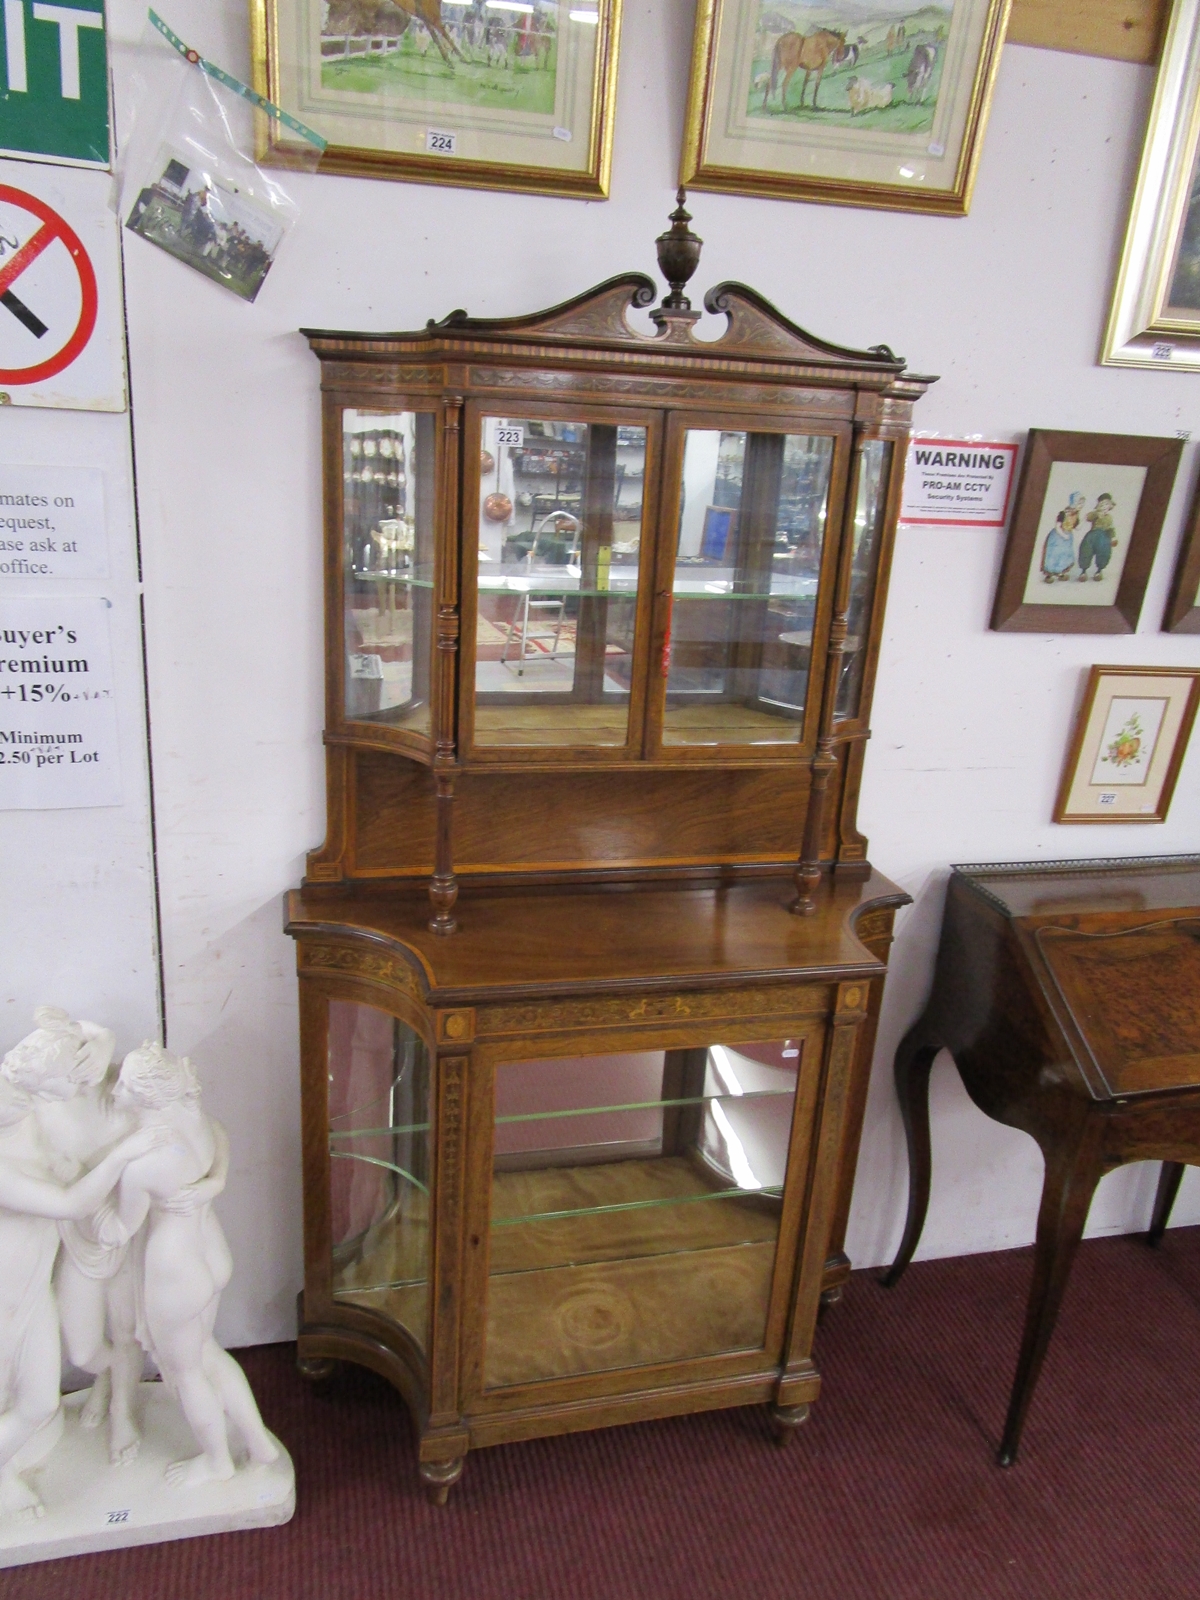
(1128, 745)
(876, 103)
(1084, 531)
(1182, 614)
(513, 96)
(1155, 316)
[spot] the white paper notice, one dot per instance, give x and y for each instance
(52, 522)
(58, 719)
(957, 483)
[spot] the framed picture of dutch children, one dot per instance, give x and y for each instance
(1183, 603)
(855, 102)
(1088, 514)
(1129, 744)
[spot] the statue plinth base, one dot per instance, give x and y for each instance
(92, 1505)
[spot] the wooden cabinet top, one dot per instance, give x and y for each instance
(560, 545)
(582, 941)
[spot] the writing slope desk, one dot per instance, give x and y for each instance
(1068, 994)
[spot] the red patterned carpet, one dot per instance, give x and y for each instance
(890, 1492)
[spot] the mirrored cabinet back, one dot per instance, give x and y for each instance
(591, 956)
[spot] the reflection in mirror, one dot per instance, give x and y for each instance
(560, 529)
(635, 1206)
(380, 1163)
(868, 527)
(387, 557)
(751, 534)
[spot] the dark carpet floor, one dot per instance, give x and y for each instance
(890, 1491)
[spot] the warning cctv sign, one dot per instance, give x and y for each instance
(60, 307)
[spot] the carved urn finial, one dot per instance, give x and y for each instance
(678, 255)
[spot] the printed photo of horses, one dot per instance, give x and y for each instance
(430, 53)
(849, 64)
(208, 225)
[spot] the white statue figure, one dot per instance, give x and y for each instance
(183, 1262)
(94, 1281)
(31, 1203)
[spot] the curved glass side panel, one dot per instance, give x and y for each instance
(751, 533)
(868, 530)
(636, 1201)
(380, 1164)
(387, 560)
(560, 530)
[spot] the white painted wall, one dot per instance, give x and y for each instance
(970, 726)
(77, 885)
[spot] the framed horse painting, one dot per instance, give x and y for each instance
(1155, 315)
(855, 102)
(461, 92)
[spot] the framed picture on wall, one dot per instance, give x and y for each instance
(1089, 511)
(876, 103)
(475, 93)
(1128, 744)
(1183, 603)
(1155, 316)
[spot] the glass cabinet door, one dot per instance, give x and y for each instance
(560, 532)
(870, 503)
(749, 547)
(387, 566)
(636, 1203)
(380, 1164)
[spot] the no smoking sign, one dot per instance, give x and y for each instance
(60, 307)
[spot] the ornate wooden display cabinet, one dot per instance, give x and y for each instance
(603, 616)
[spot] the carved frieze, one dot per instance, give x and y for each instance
(549, 1015)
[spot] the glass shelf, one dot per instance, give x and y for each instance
(749, 552)
(401, 575)
(387, 567)
(381, 1158)
(635, 1226)
(560, 531)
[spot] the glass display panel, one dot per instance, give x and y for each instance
(387, 559)
(560, 529)
(869, 504)
(751, 531)
(380, 1163)
(635, 1207)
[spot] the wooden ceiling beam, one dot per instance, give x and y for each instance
(1124, 30)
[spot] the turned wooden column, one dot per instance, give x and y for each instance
(443, 887)
(824, 762)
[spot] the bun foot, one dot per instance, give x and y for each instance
(439, 1477)
(317, 1369)
(785, 1421)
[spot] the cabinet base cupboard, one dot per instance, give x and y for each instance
(591, 957)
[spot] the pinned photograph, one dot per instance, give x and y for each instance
(209, 225)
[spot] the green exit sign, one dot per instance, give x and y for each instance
(54, 69)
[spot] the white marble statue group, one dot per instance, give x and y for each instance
(109, 1248)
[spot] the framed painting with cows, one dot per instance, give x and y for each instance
(858, 102)
(462, 92)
